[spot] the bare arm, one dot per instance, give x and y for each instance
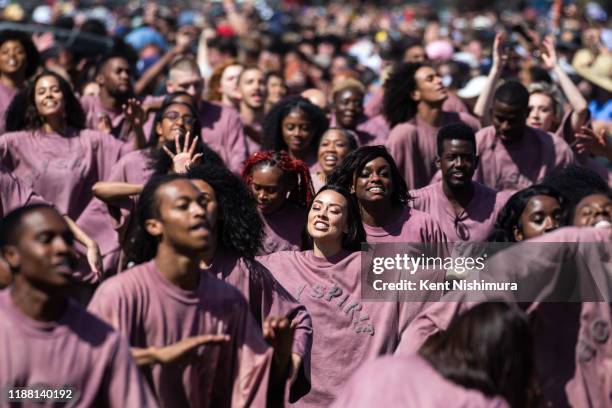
(135, 115)
(108, 191)
(94, 257)
(237, 21)
(482, 108)
(580, 109)
(181, 350)
(157, 68)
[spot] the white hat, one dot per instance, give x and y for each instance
(473, 88)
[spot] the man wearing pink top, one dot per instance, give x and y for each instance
(413, 106)
(172, 340)
(47, 341)
(465, 209)
(513, 155)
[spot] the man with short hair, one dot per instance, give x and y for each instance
(513, 155)
(47, 341)
(465, 209)
(252, 90)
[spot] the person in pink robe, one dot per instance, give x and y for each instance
(371, 174)
(14, 194)
(347, 112)
(513, 155)
(201, 346)
(458, 369)
(53, 154)
(374, 106)
(414, 95)
(18, 62)
(327, 280)
(465, 209)
(283, 190)
(295, 125)
(234, 263)
(46, 337)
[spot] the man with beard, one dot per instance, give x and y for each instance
(252, 89)
(466, 210)
(47, 341)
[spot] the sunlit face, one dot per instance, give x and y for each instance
(252, 86)
(594, 211)
(333, 148)
(13, 57)
(297, 132)
(211, 204)
(328, 217)
(189, 82)
(183, 222)
(48, 98)
(116, 77)
(44, 253)
(348, 107)
(176, 121)
(541, 215)
(458, 162)
(269, 186)
(374, 183)
(91, 89)
(228, 85)
(429, 86)
(541, 112)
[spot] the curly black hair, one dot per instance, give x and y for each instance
(355, 161)
(575, 182)
(23, 115)
(398, 105)
(32, 55)
(166, 103)
(240, 225)
(273, 123)
(509, 217)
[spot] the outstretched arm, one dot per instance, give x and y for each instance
(482, 108)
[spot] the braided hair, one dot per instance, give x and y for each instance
(296, 173)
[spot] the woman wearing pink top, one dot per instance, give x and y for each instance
(371, 175)
(336, 143)
(50, 150)
(348, 330)
(484, 359)
(283, 190)
(295, 125)
(19, 60)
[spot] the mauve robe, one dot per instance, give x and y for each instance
(476, 221)
(413, 146)
(152, 312)
(558, 328)
(266, 297)
(283, 229)
(6, 97)
(62, 169)
(370, 131)
(347, 330)
(110, 224)
(78, 351)
(517, 165)
(14, 194)
(413, 226)
(409, 381)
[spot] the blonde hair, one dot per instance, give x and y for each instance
(553, 93)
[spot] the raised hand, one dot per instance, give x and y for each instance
(597, 144)
(278, 332)
(549, 54)
(186, 349)
(185, 156)
(499, 56)
(103, 123)
(134, 113)
(94, 259)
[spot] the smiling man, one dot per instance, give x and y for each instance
(513, 155)
(465, 209)
(47, 341)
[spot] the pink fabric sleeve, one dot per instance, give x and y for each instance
(403, 147)
(235, 143)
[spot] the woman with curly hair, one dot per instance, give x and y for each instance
(327, 279)
(370, 174)
(237, 236)
(412, 104)
(529, 213)
(19, 60)
(283, 190)
(108, 217)
(295, 125)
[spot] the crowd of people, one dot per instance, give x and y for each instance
(184, 211)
